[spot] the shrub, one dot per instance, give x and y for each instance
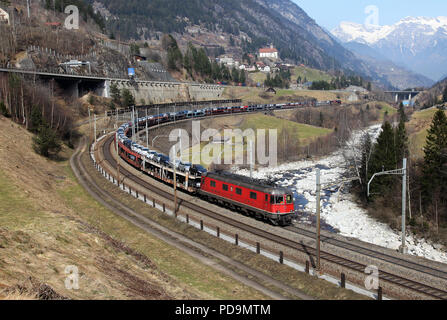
(3, 110)
(91, 99)
(127, 97)
(36, 119)
(115, 93)
(46, 142)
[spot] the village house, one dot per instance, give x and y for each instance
(263, 67)
(53, 25)
(266, 69)
(139, 58)
(260, 64)
(270, 53)
(193, 29)
(228, 61)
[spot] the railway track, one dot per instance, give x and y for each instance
(441, 274)
(179, 241)
(420, 288)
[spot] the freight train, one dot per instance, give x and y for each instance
(245, 195)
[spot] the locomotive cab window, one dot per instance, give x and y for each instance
(239, 191)
(289, 199)
(225, 187)
(253, 195)
(276, 199)
(213, 183)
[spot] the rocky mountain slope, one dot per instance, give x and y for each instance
(433, 95)
(245, 26)
(252, 23)
(395, 75)
(417, 43)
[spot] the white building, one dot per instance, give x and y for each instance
(356, 89)
(353, 98)
(270, 53)
(266, 69)
(228, 61)
(4, 16)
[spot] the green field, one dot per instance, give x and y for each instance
(386, 108)
(304, 72)
(424, 114)
(305, 134)
(418, 126)
(251, 95)
(257, 77)
(310, 74)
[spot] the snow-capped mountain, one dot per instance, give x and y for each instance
(418, 43)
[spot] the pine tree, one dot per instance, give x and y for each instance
(46, 142)
(134, 49)
(402, 115)
(277, 81)
(115, 93)
(175, 57)
(36, 119)
(128, 98)
(187, 61)
(235, 75)
(384, 157)
(3, 110)
(435, 160)
(242, 77)
(268, 81)
(321, 119)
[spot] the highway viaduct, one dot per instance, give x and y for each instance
(149, 91)
(400, 96)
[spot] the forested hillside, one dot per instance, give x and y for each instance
(251, 22)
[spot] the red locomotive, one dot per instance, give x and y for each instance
(249, 196)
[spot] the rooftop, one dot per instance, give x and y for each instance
(268, 50)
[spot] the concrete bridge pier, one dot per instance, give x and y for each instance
(70, 87)
(106, 89)
(76, 88)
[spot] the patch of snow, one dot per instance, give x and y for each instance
(366, 34)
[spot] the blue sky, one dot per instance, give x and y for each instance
(329, 13)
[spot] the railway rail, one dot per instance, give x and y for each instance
(441, 274)
(177, 240)
(412, 285)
